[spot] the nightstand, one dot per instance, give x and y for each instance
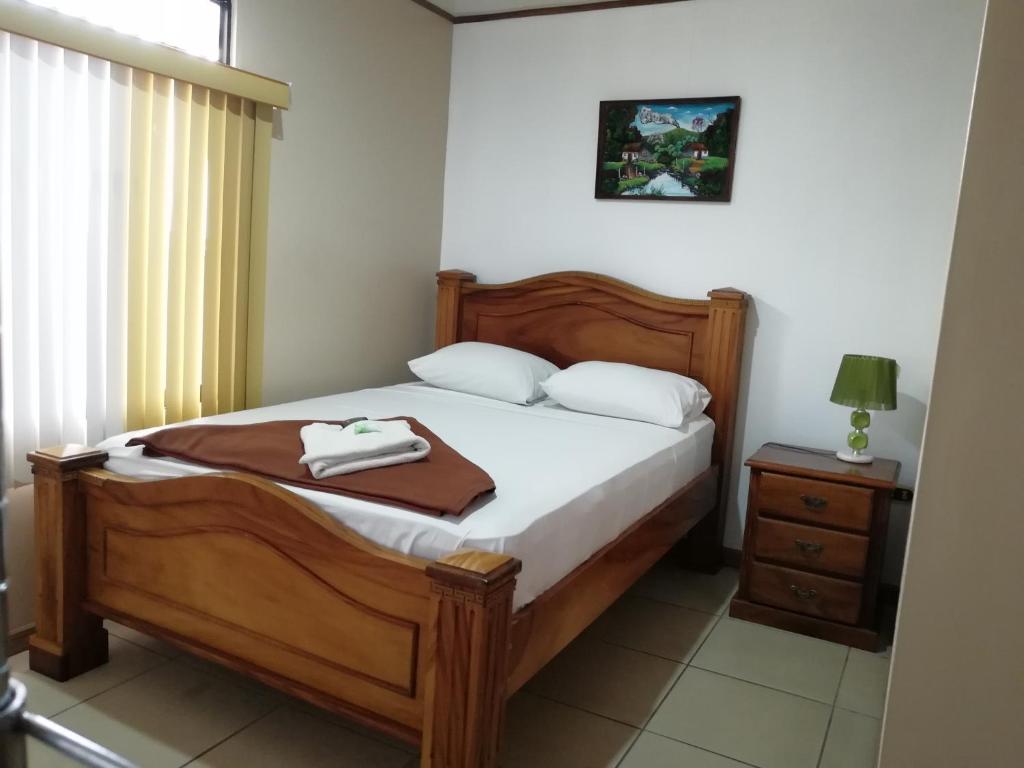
(812, 549)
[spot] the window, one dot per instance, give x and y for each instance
(198, 27)
(133, 208)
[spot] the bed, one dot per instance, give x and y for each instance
(420, 627)
(600, 475)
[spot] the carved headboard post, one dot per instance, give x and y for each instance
(727, 319)
(449, 305)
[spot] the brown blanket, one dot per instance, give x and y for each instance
(444, 483)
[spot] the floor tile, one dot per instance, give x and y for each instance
(790, 662)
(669, 582)
(352, 725)
(608, 680)
(42, 756)
(167, 716)
(748, 722)
(48, 697)
(288, 737)
(652, 626)
(852, 741)
(864, 683)
(235, 678)
(544, 734)
(149, 643)
(654, 751)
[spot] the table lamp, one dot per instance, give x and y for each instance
(864, 382)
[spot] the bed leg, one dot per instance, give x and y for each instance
(471, 594)
(67, 641)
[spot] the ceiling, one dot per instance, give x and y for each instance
(474, 7)
(488, 10)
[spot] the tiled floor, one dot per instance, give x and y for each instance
(664, 680)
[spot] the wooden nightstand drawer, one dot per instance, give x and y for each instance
(805, 593)
(804, 546)
(822, 503)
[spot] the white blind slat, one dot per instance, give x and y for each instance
(6, 379)
(116, 282)
(77, 344)
(49, 283)
(97, 154)
(22, 334)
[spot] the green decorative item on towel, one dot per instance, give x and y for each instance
(864, 382)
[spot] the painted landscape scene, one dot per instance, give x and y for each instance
(668, 149)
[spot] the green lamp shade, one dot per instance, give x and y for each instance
(866, 382)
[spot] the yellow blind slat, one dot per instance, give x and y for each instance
(156, 278)
(229, 253)
(245, 156)
(214, 246)
(259, 211)
(195, 254)
(177, 261)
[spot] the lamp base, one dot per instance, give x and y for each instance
(855, 458)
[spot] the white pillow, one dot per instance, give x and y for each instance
(629, 392)
(490, 370)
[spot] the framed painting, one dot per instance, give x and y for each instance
(667, 149)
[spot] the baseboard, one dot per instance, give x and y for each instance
(17, 641)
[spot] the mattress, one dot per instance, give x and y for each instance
(568, 483)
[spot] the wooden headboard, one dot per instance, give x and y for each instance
(569, 317)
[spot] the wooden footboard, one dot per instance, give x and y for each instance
(226, 564)
(238, 570)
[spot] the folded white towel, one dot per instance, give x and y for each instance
(335, 450)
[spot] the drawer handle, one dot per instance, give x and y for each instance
(809, 547)
(802, 593)
(813, 502)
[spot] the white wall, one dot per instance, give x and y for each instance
(850, 149)
(356, 185)
(956, 690)
(19, 555)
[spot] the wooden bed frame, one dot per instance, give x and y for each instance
(238, 570)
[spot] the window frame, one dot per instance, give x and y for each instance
(226, 33)
(63, 31)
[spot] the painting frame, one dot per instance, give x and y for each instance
(718, 188)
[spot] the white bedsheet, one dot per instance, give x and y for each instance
(567, 483)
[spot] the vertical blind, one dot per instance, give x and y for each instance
(188, 267)
(64, 119)
(125, 228)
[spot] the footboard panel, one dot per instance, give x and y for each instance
(237, 569)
